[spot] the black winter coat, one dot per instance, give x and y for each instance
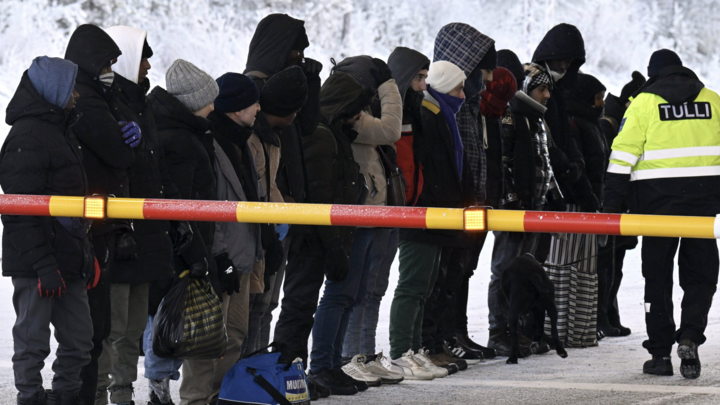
(149, 178)
(494, 153)
(592, 144)
(41, 156)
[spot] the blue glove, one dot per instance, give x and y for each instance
(131, 133)
(282, 230)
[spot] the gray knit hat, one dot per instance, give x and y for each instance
(190, 85)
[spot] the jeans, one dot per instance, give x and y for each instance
(361, 330)
(508, 245)
(157, 368)
(336, 305)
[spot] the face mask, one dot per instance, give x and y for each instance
(107, 78)
(555, 75)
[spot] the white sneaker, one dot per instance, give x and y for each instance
(422, 358)
(357, 370)
(409, 367)
(377, 369)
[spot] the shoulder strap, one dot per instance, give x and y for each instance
(265, 385)
(430, 106)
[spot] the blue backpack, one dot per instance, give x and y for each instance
(268, 378)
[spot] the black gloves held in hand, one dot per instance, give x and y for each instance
(311, 67)
(199, 269)
(125, 247)
(228, 275)
(50, 283)
(382, 73)
(337, 263)
(181, 236)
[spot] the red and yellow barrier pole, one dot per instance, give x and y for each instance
(470, 219)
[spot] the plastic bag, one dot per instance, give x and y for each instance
(189, 322)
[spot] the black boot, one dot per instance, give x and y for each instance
(469, 345)
(40, 398)
(327, 380)
(500, 341)
(658, 366)
(689, 359)
(604, 327)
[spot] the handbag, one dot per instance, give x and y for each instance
(395, 181)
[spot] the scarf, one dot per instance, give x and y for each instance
(450, 106)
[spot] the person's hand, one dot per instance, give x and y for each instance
(181, 236)
(282, 230)
(311, 67)
(337, 263)
(382, 72)
(131, 133)
(92, 282)
(199, 269)
(228, 275)
(125, 247)
(50, 283)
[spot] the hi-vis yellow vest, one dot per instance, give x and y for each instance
(658, 140)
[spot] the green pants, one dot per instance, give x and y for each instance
(419, 264)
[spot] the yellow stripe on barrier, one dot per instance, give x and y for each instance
(61, 206)
(444, 218)
(667, 226)
(126, 208)
(506, 221)
(281, 213)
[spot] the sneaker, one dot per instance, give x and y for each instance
(359, 371)
(374, 365)
(422, 357)
(327, 380)
(442, 361)
(458, 352)
(460, 363)
(658, 366)
(341, 376)
(160, 392)
(469, 345)
(408, 367)
(689, 360)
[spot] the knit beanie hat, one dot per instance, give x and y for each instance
(444, 76)
(662, 58)
(587, 87)
(536, 75)
(509, 60)
(489, 61)
(495, 98)
(360, 68)
(638, 80)
(190, 85)
(285, 92)
(53, 78)
(237, 92)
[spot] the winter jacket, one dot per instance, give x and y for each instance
(465, 47)
(106, 157)
(592, 144)
(41, 156)
(610, 121)
(270, 47)
(333, 175)
(492, 132)
(378, 131)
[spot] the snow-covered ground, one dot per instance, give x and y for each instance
(608, 374)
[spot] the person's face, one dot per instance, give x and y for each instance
(458, 91)
(352, 120)
(295, 58)
(71, 103)
(203, 112)
(541, 94)
(108, 68)
(144, 67)
(600, 99)
(418, 83)
(487, 75)
(559, 65)
(247, 116)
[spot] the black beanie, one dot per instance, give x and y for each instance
(284, 93)
(147, 52)
(508, 60)
(489, 61)
(662, 58)
(237, 92)
(587, 87)
(360, 68)
(638, 80)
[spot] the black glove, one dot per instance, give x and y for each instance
(337, 263)
(311, 67)
(228, 275)
(181, 236)
(50, 283)
(199, 269)
(382, 73)
(125, 247)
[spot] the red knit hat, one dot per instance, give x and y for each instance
(495, 98)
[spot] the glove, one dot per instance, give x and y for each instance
(337, 263)
(199, 269)
(92, 282)
(227, 274)
(282, 230)
(382, 73)
(125, 247)
(50, 283)
(311, 67)
(131, 133)
(274, 257)
(181, 236)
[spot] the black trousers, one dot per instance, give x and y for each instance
(698, 263)
(610, 274)
(304, 275)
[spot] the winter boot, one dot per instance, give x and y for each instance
(658, 366)
(689, 360)
(160, 389)
(500, 341)
(604, 327)
(470, 346)
(40, 398)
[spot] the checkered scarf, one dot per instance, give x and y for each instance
(465, 46)
(535, 76)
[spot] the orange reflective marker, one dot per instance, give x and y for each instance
(475, 219)
(95, 207)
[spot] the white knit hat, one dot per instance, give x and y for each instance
(444, 76)
(190, 85)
